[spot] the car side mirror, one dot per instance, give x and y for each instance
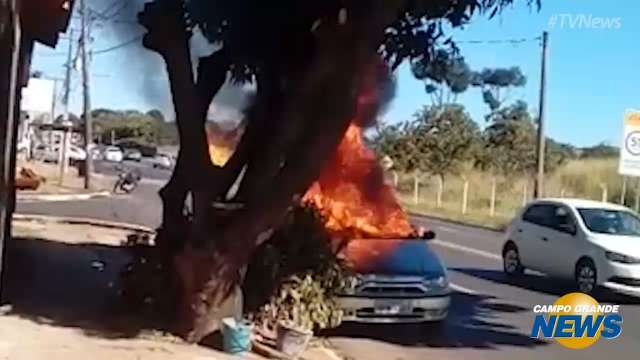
(428, 235)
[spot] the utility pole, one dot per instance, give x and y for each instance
(539, 188)
(88, 136)
(64, 158)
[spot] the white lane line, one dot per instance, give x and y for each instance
(462, 289)
(449, 230)
(467, 249)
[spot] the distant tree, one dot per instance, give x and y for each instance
(145, 128)
(601, 150)
(445, 137)
(75, 120)
(510, 143)
(398, 142)
(446, 76)
(156, 114)
(496, 84)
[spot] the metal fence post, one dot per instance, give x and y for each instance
(465, 196)
(439, 192)
(605, 193)
(492, 202)
(416, 189)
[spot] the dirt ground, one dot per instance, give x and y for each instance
(51, 172)
(62, 282)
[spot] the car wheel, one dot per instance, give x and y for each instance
(511, 260)
(586, 276)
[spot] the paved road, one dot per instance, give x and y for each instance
(491, 316)
(145, 167)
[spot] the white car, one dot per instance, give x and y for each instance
(593, 243)
(162, 161)
(76, 153)
(52, 154)
(113, 153)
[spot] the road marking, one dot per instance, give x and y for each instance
(467, 249)
(449, 230)
(462, 289)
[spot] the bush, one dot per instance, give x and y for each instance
(295, 277)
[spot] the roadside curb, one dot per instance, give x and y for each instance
(84, 221)
(61, 197)
(455, 222)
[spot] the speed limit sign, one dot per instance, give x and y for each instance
(630, 149)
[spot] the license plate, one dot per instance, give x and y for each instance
(391, 307)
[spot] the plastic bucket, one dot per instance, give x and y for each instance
(236, 336)
(292, 342)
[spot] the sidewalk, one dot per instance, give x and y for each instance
(72, 184)
(62, 283)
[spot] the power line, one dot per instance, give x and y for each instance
(499, 41)
(103, 13)
(116, 47)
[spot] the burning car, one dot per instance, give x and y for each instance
(397, 280)
(398, 277)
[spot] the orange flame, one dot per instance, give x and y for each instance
(222, 144)
(352, 196)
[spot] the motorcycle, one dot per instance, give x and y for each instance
(127, 181)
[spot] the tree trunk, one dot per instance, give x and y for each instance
(290, 134)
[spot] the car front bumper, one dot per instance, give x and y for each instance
(394, 310)
(621, 278)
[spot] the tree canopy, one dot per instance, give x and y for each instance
(316, 66)
(145, 128)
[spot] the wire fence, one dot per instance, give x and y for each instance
(485, 199)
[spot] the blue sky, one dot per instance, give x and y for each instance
(592, 77)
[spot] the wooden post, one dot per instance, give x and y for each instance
(623, 191)
(637, 199)
(524, 194)
(465, 196)
(605, 193)
(492, 201)
(439, 192)
(416, 189)
(10, 40)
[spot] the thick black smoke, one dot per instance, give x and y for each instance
(145, 70)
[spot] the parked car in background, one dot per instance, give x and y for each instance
(76, 153)
(113, 153)
(133, 155)
(52, 153)
(405, 283)
(147, 150)
(595, 244)
(162, 161)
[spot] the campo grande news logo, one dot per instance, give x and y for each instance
(577, 321)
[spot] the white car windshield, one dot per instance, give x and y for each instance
(612, 222)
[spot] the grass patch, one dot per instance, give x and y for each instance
(585, 178)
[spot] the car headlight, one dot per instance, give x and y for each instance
(621, 258)
(440, 281)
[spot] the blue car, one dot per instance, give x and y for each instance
(400, 282)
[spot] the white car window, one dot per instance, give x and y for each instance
(612, 222)
(540, 214)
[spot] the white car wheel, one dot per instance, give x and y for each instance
(511, 260)
(586, 276)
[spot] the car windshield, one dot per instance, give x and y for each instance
(613, 222)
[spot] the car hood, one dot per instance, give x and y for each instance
(397, 257)
(627, 245)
